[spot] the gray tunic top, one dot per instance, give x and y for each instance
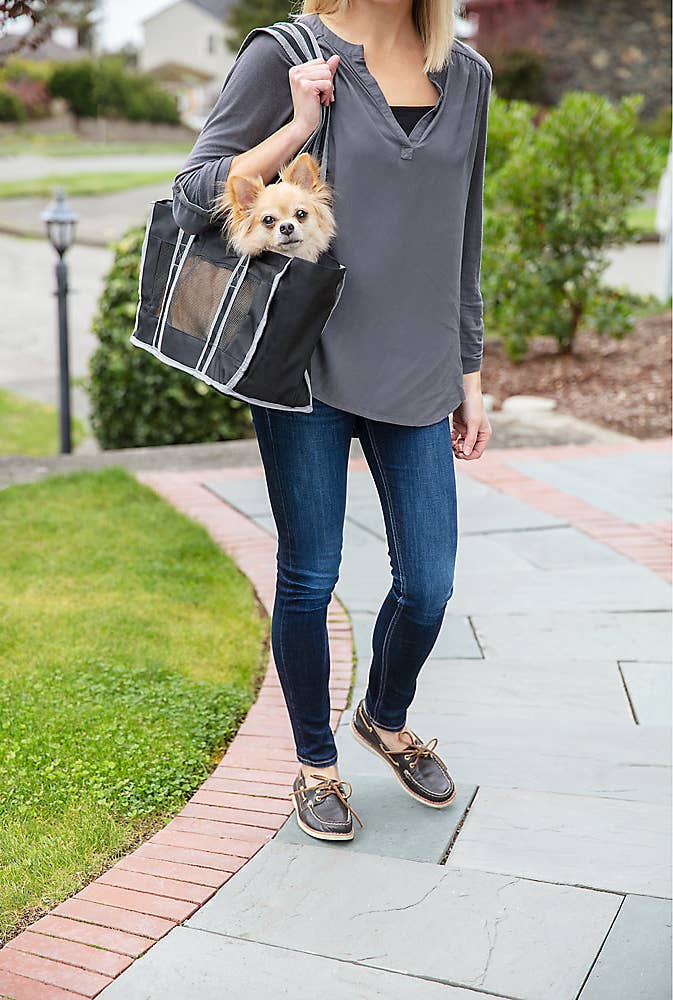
(409, 213)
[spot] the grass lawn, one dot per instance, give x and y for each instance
(20, 143)
(131, 649)
(30, 428)
(83, 184)
(641, 218)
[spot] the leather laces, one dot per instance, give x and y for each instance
(330, 786)
(418, 750)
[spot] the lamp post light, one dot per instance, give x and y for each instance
(61, 221)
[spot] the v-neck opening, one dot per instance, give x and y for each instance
(354, 53)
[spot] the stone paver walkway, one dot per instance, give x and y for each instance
(549, 690)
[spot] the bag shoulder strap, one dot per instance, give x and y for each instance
(297, 39)
(301, 45)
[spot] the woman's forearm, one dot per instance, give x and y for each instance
(472, 382)
(266, 158)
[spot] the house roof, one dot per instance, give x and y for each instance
(218, 8)
(46, 50)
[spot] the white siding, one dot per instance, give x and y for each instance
(184, 35)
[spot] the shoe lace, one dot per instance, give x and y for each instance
(331, 786)
(413, 752)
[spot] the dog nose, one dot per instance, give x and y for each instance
(286, 228)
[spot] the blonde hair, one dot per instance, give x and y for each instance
(435, 21)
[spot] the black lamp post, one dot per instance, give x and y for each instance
(61, 221)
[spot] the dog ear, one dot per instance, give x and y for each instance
(242, 192)
(303, 171)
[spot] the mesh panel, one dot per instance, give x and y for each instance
(197, 296)
(164, 257)
(238, 315)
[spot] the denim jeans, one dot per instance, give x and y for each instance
(305, 457)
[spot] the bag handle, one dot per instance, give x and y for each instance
(301, 45)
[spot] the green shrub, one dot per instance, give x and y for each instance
(137, 400)
(659, 130)
(11, 108)
(146, 102)
(76, 84)
(556, 199)
(17, 68)
(106, 88)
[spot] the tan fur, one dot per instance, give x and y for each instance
(246, 201)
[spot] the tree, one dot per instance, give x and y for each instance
(557, 199)
(248, 14)
(43, 16)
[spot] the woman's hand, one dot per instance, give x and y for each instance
(312, 84)
(471, 430)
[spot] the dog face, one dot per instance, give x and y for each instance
(293, 216)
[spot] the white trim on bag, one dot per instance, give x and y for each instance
(143, 254)
(245, 364)
(171, 362)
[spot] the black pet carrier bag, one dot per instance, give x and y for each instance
(245, 325)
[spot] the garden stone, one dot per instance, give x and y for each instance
(649, 687)
(523, 689)
(579, 635)
(599, 590)
(635, 488)
(528, 404)
(212, 966)
(635, 961)
(596, 842)
(609, 760)
(395, 825)
(494, 933)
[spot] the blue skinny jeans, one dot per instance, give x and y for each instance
(305, 457)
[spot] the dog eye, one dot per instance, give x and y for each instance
(301, 213)
(268, 220)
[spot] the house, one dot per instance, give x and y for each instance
(185, 47)
(53, 48)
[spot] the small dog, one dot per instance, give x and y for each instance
(292, 216)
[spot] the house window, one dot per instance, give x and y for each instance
(212, 44)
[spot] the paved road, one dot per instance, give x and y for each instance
(637, 267)
(549, 690)
(29, 166)
(103, 219)
(28, 343)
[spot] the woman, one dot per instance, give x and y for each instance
(400, 353)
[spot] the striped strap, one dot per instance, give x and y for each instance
(301, 45)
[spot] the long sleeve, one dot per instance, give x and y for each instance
(254, 102)
(471, 303)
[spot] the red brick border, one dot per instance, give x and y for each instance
(647, 544)
(85, 942)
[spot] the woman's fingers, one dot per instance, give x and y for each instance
(311, 64)
(469, 438)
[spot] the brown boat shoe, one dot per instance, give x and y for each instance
(421, 772)
(322, 810)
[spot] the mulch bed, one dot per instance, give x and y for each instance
(621, 384)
